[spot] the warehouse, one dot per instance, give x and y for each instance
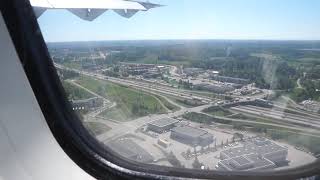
(162, 125)
(260, 152)
(191, 136)
(136, 69)
(230, 79)
(249, 162)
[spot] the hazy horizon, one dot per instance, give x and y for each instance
(249, 40)
(193, 20)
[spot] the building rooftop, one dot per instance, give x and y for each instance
(163, 122)
(259, 161)
(247, 162)
(241, 160)
(235, 78)
(256, 154)
(256, 146)
(190, 131)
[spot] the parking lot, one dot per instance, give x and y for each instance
(149, 142)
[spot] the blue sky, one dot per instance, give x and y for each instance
(193, 19)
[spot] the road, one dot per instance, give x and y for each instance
(299, 84)
(281, 116)
(297, 106)
(155, 88)
(131, 126)
(146, 86)
(306, 130)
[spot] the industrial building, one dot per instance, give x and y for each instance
(230, 79)
(87, 104)
(153, 73)
(192, 71)
(257, 154)
(136, 69)
(162, 125)
(192, 136)
(249, 162)
(146, 70)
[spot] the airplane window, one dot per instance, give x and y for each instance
(210, 85)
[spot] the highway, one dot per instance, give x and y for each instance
(306, 130)
(281, 116)
(179, 93)
(131, 126)
(119, 129)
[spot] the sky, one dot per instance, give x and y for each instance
(193, 19)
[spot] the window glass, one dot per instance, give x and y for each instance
(208, 85)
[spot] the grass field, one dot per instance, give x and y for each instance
(74, 92)
(131, 103)
(168, 105)
(73, 65)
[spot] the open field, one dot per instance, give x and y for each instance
(167, 104)
(73, 65)
(74, 92)
(131, 103)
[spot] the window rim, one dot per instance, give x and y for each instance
(97, 160)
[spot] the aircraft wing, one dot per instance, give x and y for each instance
(91, 9)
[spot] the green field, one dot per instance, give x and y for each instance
(131, 103)
(74, 92)
(167, 104)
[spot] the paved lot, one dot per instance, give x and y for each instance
(210, 160)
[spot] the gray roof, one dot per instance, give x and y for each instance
(254, 161)
(249, 148)
(254, 155)
(241, 160)
(163, 122)
(260, 162)
(190, 131)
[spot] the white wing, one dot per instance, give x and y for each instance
(91, 9)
